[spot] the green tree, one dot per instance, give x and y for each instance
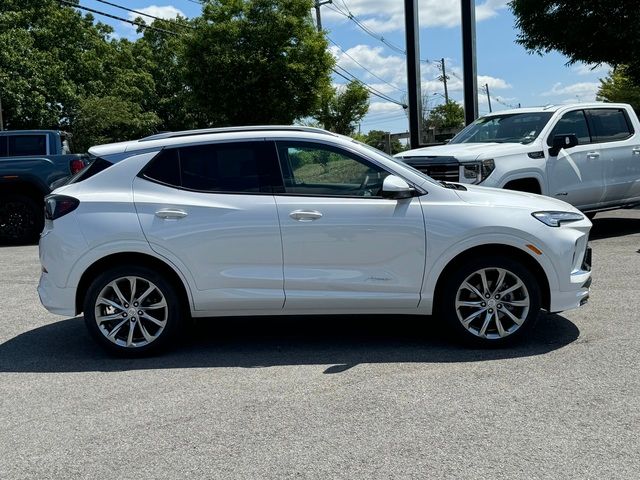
(378, 139)
(53, 60)
(446, 115)
(618, 87)
(341, 109)
(256, 61)
(590, 31)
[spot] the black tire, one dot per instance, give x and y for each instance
(21, 219)
(447, 311)
(146, 277)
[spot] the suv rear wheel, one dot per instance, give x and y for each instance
(491, 301)
(21, 219)
(132, 311)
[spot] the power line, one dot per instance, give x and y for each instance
(136, 11)
(143, 25)
(365, 68)
(371, 90)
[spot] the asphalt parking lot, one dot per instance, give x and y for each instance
(328, 397)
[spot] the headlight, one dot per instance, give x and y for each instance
(477, 172)
(555, 219)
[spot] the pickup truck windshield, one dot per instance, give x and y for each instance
(509, 128)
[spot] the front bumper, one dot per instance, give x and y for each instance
(578, 294)
(61, 301)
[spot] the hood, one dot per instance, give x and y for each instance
(470, 151)
(477, 195)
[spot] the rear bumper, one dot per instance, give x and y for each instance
(61, 301)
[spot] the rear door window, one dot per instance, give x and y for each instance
(572, 123)
(24, 145)
(610, 124)
(235, 167)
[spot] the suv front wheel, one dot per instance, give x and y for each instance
(132, 311)
(491, 301)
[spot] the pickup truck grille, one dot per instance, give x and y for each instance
(438, 168)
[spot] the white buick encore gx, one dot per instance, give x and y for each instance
(294, 221)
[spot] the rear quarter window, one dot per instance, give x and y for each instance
(610, 124)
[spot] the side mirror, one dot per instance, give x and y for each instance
(563, 141)
(396, 188)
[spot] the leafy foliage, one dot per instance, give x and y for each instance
(619, 87)
(256, 61)
(590, 31)
(446, 115)
(378, 139)
(341, 110)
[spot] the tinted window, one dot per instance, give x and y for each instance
(572, 123)
(3, 146)
(98, 165)
(609, 125)
(225, 167)
(20, 145)
(315, 169)
(509, 128)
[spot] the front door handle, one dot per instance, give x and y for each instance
(636, 151)
(171, 214)
(593, 155)
(305, 215)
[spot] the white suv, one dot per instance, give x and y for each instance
(292, 220)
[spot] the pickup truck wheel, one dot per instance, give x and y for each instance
(21, 219)
(132, 311)
(491, 301)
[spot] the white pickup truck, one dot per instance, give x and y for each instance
(587, 154)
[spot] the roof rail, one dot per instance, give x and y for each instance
(256, 128)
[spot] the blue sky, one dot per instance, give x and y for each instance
(514, 76)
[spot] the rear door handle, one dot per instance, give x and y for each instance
(171, 214)
(593, 154)
(636, 151)
(305, 215)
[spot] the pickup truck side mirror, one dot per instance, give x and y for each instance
(396, 188)
(561, 141)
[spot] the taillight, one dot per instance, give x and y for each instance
(55, 206)
(76, 165)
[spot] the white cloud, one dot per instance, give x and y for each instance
(584, 91)
(165, 11)
(591, 69)
(388, 15)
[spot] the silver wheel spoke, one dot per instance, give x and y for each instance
(108, 318)
(117, 328)
(516, 303)
(499, 326)
(472, 317)
(146, 316)
(145, 334)
(116, 289)
(485, 324)
(464, 303)
(512, 288)
(110, 303)
(132, 284)
(515, 319)
(501, 276)
(468, 286)
(485, 284)
(132, 326)
(160, 304)
(147, 292)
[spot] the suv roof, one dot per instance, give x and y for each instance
(257, 128)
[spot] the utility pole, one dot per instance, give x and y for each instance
(317, 6)
(444, 79)
(468, 8)
(486, 87)
(413, 71)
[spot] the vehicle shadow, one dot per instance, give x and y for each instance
(608, 227)
(336, 343)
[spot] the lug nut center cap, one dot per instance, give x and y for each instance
(491, 303)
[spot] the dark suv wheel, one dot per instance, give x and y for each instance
(21, 219)
(132, 311)
(490, 301)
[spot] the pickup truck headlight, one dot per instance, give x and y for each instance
(555, 219)
(477, 172)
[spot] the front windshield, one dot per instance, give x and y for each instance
(509, 128)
